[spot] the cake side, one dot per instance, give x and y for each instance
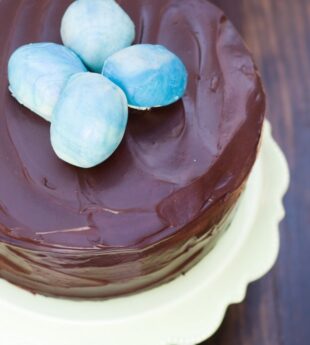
(102, 274)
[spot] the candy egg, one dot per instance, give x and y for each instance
(150, 75)
(95, 29)
(38, 72)
(89, 120)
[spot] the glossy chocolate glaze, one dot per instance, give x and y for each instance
(147, 214)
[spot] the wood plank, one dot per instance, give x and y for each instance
(277, 308)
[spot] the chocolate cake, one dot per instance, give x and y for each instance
(160, 203)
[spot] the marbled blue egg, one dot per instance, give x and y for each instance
(95, 29)
(38, 72)
(89, 120)
(150, 75)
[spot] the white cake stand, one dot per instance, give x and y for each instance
(185, 311)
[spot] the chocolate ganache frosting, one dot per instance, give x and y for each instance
(159, 204)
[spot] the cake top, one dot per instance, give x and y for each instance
(173, 163)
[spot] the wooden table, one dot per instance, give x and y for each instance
(277, 308)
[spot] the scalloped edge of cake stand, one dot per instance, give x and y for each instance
(186, 311)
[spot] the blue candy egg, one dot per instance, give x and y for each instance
(95, 29)
(150, 75)
(89, 120)
(38, 72)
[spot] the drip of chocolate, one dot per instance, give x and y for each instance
(146, 214)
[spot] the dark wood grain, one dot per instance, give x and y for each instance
(277, 308)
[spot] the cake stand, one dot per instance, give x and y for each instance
(183, 312)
